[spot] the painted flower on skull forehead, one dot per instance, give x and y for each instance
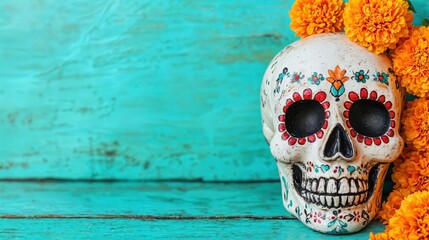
(361, 76)
(337, 78)
(316, 78)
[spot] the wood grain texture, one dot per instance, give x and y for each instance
(144, 199)
(137, 89)
(65, 229)
(133, 210)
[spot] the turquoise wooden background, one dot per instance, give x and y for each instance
(165, 89)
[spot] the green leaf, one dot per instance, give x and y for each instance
(331, 223)
(425, 22)
(342, 224)
(410, 6)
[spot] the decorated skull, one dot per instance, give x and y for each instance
(330, 111)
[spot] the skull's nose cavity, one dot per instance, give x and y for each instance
(338, 144)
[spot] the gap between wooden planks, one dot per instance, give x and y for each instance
(147, 217)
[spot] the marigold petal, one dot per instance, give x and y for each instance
(411, 62)
(377, 24)
(415, 124)
(411, 220)
(310, 17)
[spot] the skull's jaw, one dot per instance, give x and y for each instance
(338, 213)
(328, 192)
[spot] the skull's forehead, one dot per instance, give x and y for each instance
(309, 62)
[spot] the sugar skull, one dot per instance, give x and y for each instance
(330, 114)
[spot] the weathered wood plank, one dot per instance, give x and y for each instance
(137, 89)
(172, 229)
(117, 210)
(74, 199)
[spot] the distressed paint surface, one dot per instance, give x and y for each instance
(135, 210)
(137, 89)
(142, 198)
(172, 229)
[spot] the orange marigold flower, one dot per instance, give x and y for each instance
(377, 24)
(415, 124)
(310, 17)
(379, 236)
(392, 204)
(411, 62)
(413, 173)
(409, 19)
(411, 220)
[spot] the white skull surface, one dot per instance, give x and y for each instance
(330, 111)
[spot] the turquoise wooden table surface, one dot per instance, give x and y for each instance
(141, 90)
(137, 89)
(157, 210)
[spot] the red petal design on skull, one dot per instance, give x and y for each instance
(385, 139)
(368, 141)
(392, 114)
(292, 141)
(346, 114)
(282, 118)
(382, 98)
(360, 138)
(348, 104)
(319, 134)
(282, 127)
(325, 125)
(302, 141)
(390, 133)
(363, 93)
(327, 114)
(348, 124)
(353, 133)
(311, 138)
(285, 108)
(308, 94)
(388, 105)
(377, 141)
(285, 136)
(320, 97)
(353, 96)
(392, 124)
(326, 105)
(289, 102)
(296, 97)
(373, 95)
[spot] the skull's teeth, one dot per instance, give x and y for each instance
(344, 192)
(332, 186)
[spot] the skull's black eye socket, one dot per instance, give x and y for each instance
(369, 118)
(304, 118)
